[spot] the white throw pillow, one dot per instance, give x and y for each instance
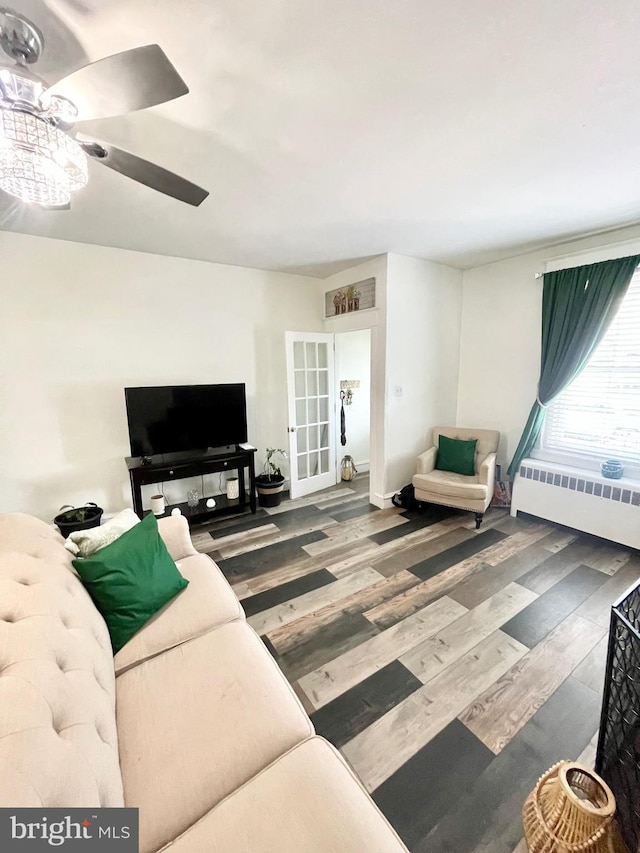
(84, 543)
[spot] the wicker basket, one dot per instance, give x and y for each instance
(570, 811)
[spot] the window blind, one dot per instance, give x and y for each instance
(599, 414)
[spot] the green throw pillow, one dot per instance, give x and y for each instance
(131, 579)
(456, 455)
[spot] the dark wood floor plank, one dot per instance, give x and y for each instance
(279, 594)
(434, 565)
(474, 590)
(344, 631)
(301, 631)
(598, 606)
(351, 713)
(429, 785)
(403, 557)
(411, 526)
(556, 567)
(536, 620)
(356, 509)
(487, 817)
(253, 563)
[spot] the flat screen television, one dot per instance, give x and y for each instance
(185, 418)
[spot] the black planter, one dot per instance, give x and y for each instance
(269, 490)
(81, 518)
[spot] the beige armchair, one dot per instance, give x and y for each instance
(457, 490)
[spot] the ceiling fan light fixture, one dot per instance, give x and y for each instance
(38, 162)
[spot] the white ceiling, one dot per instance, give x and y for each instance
(328, 131)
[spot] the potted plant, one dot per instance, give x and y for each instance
(269, 483)
(84, 517)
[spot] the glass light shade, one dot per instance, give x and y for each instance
(38, 162)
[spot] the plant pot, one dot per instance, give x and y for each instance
(79, 518)
(269, 490)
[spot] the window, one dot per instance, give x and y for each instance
(599, 414)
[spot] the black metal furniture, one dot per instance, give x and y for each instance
(618, 757)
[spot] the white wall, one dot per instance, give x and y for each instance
(80, 322)
(501, 325)
(353, 361)
(424, 305)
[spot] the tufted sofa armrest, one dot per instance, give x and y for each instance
(427, 461)
(487, 470)
(175, 535)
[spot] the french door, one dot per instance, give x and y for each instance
(310, 392)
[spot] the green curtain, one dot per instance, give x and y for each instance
(578, 304)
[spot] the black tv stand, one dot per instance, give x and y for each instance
(144, 470)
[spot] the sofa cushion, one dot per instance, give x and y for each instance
(450, 485)
(308, 801)
(58, 740)
(86, 542)
(131, 579)
(196, 722)
(206, 603)
(456, 455)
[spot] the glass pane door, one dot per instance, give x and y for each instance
(311, 415)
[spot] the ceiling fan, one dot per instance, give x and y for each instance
(42, 158)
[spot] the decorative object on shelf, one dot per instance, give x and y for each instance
(70, 519)
(176, 511)
(233, 488)
(612, 468)
(193, 498)
(269, 484)
(157, 504)
(353, 297)
(347, 385)
(618, 755)
(210, 503)
(348, 469)
(570, 809)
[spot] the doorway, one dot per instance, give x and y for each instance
(319, 367)
(353, 394)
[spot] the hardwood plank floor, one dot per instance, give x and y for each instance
(451, 666)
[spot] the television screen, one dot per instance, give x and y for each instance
(183, 418)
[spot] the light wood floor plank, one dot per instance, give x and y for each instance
(374, 524)
(288, 636)
(326, 683)
(403, 557)
(244, 546)
(281, 614)
(418, 596)
(514, 544)
(311, 500)
(480, 586)
(244, 535)
(381, 749)
(437, 653)
(501, 711)
(304, 565)
(608, 559)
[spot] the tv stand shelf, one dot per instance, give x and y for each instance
(179, 467)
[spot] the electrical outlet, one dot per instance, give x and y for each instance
(397, 390)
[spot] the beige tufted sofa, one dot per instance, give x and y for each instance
(457, 490)
(192, 721)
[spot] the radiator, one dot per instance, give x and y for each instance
(580, 499)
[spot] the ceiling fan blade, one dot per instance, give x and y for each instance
(121, 83)
(145, 172)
